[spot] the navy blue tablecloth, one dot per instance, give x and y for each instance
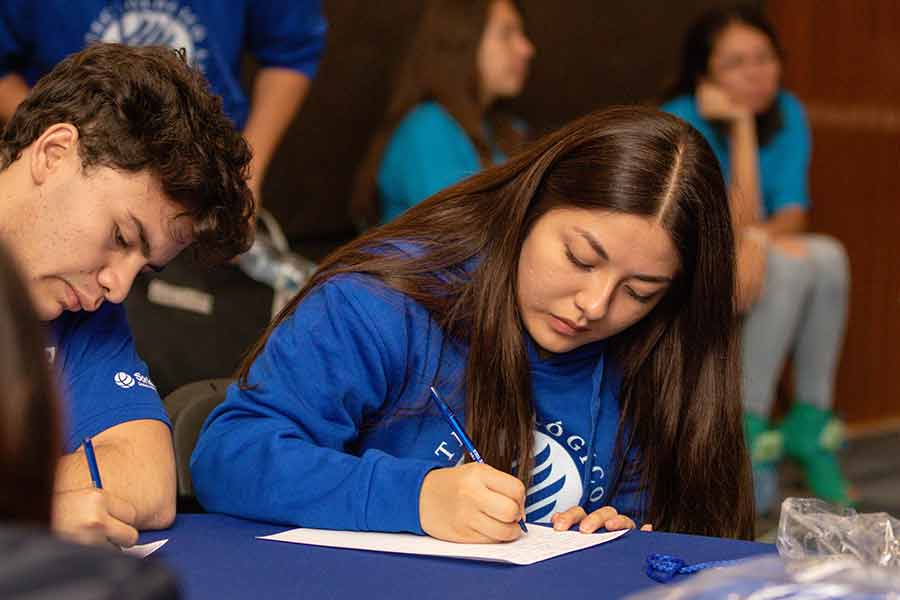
(219, 557)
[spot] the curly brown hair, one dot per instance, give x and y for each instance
(142, 109)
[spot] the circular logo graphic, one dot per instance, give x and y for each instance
(124, 380)
(140, 23)
(555, 480)
(145, 28)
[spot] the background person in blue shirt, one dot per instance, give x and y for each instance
(285, 37)
(568, 304)
(793, 285)
(441, 123)
(116, 161)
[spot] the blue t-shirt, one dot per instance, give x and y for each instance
(104, 382)
(783, 161)
(35, 35)
(427, 152)
(338, 431)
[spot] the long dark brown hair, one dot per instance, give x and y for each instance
(680, 397)
(30, 443)
(698, 46)
(440, 65)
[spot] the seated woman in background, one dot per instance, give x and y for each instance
(441, 124)
(793, 286)
(567, 304)
(36, 564)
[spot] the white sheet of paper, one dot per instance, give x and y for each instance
(540, 544)
(145, 550)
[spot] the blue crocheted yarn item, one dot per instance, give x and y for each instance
(664, 567)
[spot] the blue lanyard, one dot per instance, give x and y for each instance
(664, 567)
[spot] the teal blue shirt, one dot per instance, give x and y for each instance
(427, 152)
(783, 161)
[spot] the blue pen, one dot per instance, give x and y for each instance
(92, 463)
(454, 424)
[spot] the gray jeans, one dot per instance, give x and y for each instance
(802, 311)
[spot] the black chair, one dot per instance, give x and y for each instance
(188, 406)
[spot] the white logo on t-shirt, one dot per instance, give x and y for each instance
(50, 351)
(152, 22)
(144, 381)
(124, 380)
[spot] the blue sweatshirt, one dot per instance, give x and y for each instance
(337, 431)
(290, 34)
(104, 382)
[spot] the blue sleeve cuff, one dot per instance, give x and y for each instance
(393, 499)
(301, 55)
(97, 424)
(306, 64)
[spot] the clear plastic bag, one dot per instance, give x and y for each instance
(826, 552)
(772, 578)
(809, 528)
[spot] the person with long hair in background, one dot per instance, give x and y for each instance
(442, 122)
(568, 304)
(793, 284)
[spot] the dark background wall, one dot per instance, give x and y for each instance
(589, 54)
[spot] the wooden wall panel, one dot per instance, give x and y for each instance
(842, 63)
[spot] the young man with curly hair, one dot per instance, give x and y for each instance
(119, 159)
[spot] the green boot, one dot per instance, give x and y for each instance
(811, 437)
(765, 447)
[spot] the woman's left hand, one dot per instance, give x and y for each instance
(606, 516)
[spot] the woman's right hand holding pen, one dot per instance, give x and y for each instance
(471, 503)
(94, 516)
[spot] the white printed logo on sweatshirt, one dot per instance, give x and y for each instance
(555, 480)
(152, 22)
(125, 381)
